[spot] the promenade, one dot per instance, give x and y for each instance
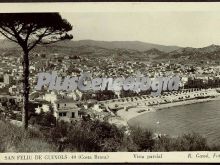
(131, 107)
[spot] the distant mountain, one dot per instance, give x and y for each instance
(132, 45)
(135, 50)
(210, 49)
(135, 45)
(211, 52)
(154, 51)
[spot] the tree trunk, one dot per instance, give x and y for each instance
(25, 89)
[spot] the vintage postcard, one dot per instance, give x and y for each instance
(109, 82)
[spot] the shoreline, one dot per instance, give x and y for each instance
(185, 102)
(128, 115)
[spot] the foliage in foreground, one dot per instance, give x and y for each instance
(15, 139)
(94, 136)
(187, 142)
(87, 136)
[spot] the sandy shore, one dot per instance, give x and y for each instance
(127, 115)
(132, 113)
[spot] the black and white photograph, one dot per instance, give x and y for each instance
(145, 79)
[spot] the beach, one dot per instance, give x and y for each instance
(185, 102)
(132, 113)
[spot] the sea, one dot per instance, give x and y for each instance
(201, 118)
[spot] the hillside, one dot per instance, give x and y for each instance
(125, 50)
(211, 52)
(135, 45)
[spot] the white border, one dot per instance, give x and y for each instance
(110, 7)
(110, 157)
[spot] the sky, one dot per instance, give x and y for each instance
(181, 28)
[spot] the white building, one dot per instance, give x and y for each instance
(12, 90)
(66, 110)
(7, 79)
(50, 97)
(2, 85)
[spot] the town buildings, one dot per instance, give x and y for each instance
(73, 105)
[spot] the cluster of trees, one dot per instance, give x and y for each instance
(99, 95)
(45, 119)
(97, 136)
(199, 83)
(12, 110)
(89, 136)
(94, 136)
(7, 109)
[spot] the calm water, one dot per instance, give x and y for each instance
(202, 118)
